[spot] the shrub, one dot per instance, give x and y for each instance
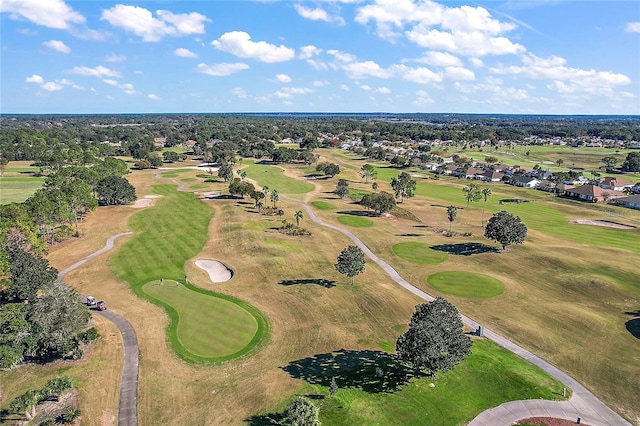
(88, 335)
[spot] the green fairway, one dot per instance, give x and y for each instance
(274, 178)
(465, 284)
(418, 253)
(489, 377)
(18, 189)
(209, 326)
(323, 205)
(166, 236)
(355, 221)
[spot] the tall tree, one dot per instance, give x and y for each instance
(275, 196)
(80, 199)
(506, 229)
(609, 163)
(472, 193)
(632, 162)
(114, 190)
(298, 216)
(403, 186)
(28, 274)
(225, 172)
(301, 412)
(351, 262)
(368, 172)
(435, 340)
(486, 193)
(452, 212)
(379, 202)
(342, 188)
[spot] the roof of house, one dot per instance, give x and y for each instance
(592, 190)
(635, 199)
(615, 181)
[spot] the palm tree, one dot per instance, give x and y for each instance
(275, 196)
(298, 216)
(486, 193)
(265, 190)
(451, 215)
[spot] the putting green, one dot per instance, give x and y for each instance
(418, 253)
(355, 221)
(465, 284)
(323, 205)
(208, 326)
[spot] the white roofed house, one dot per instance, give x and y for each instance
(615, 183)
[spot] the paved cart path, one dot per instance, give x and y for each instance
(128, 407)
(582, 403)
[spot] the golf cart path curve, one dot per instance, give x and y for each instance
(128, 406)
(582, 404)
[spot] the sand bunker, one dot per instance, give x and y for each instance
(145, 202)
(603, 223)
(218, 272)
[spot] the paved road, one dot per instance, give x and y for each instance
(128, 408)
(582, 403)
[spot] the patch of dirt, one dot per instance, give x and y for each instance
(606, 223)
(53, 409)
(548, 421)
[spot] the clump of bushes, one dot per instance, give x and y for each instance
(26, 403)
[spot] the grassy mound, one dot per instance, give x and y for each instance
(418, 253)
(465, 284)
(323, 205)
(355, 221)
(167, 236)
(203, 326)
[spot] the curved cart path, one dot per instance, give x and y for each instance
(582, 403)
(128, 407)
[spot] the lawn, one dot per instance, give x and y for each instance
(490, 376)
(18, 189)
(323, 205)
(418, 253)
(274, 177)
(465, 284)
(355, 221)
(166, 237)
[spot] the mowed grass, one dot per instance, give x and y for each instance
(465, 284)
(418, 253)
(211, 327)
(18, 189)
(355, 221)
(323, 205)
(274, 177)
(167, 235)
(490, 376)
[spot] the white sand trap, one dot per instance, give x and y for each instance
(145, 202)
(218, 272)
(603, 223)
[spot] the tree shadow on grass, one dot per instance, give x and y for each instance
(410, 235)
(271, 419)
(319, 281)
(363, 213)
(633, 325)
(465, 249)
(370, 371)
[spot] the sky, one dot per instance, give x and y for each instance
(396, 56)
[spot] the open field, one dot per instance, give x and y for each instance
(581, 291)
(18, 182)
(465, 284)
(418, 253)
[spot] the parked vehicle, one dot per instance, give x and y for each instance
(101, 306)
(91, 301)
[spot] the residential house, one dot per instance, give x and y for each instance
(592, 193)
(525, 181)
(490, 176)
(473, 173)
(615, 183)
(632, 202)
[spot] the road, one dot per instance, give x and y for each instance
(128, 406)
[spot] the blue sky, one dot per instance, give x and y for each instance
(518, 56)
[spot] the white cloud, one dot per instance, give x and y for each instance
(98, 71)
(222, 69)
(239, 43)
(464, 30)
(239, 92)
(141, 22)
(344, 87)
(341, 56)
(420, 75)
(440, 59)
(49, 13)
(365, 69)
(283, 78)
(127, 88)
(318, 65)
(633, 27)
(565, 79)
(316, 14)
(422, 98)
(365, 87)
(115, 58)
(383, 90)
(309, 51)
(289, 92)
(459, 73)
(51, 86)
(476, 62)
(184, 53)
(319, 83)
(35, 78)
(57, 45)
(153, 97)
